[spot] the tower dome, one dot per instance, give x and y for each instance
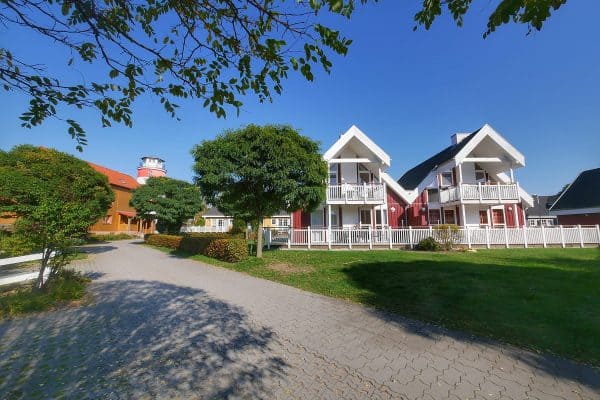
(150, 166)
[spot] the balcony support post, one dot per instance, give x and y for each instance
(479, 191)
(329, 226)
(498, 189)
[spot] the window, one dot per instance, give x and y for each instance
(381, 217)
(220, 222)
(533, 222)
(449, 217)
(498, 216)
(123, 219)
(446, 179)
(334, 217)
(274, 221)
(107, 219)
(317, 219)
(435, 217)
(365, 217)
(364, 175)
(480, 175)
(483, 217)
(547, 222)
(284, 222)
(333, 174)
(433, 196)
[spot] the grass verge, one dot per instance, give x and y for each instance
(67, 287)
(541, 299)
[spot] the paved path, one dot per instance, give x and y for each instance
(163, 327)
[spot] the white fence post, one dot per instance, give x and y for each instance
(598, 233)
(467, 231)
(430, 231)
(350, 239)
(544, 237)
(562, 236)
(370, 239)
(268, 232)
(410, 237)
(390, 238)
(506, 236)
(525, 236)
(308, 237)
(580, 236)
(290, 233)
(329, 237)
(487, 236)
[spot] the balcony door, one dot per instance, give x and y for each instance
(449, 216)
(365, 217)
(364, 175)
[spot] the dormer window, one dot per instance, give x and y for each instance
(446, 179)
(364, 175)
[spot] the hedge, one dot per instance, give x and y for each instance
(227, 247)
(170, 241)
(230, 250)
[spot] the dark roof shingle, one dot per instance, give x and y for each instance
(584, 192)
(411, 179)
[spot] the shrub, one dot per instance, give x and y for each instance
(170, 241)
(105, 237)
(228, 247)
(447, 235)
(200, 222)
(428, 244)
(229, 250)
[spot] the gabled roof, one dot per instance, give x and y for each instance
(540, 207)
(413, 177)
(116, 178)
(407, 196)
(584, 192)
(213, 212)
(354, 132)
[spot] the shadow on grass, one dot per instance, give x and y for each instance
(140, 339)
(549, 309)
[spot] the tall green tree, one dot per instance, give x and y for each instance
(214, 51)
(168, 200)
(55, 196)
(256, 171)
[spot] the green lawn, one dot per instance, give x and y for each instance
(542, 299)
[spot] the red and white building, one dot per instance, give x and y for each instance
(150, 166)
(469, 183)
(360, 193)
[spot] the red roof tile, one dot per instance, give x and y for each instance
(116, 178)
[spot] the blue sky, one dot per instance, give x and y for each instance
(409, 91)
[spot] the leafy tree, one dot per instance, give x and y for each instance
(215, 51)
(168, 200)
(55, 196)
(256, 171)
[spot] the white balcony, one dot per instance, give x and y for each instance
(480, 193)
(366, 193)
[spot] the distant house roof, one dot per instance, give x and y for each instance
(413, 177)
(540, 207)
(116, 178)
(584, 192)
(213, 212)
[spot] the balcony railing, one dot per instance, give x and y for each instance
(356, 193)
(479, 192)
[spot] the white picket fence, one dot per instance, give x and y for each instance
(562, 236)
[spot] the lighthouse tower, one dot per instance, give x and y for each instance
(150, 166)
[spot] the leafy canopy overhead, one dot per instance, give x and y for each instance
(171, 201)
(214, 51)
(55, 196)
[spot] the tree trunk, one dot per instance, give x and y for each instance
(259, 238)
(40, 279)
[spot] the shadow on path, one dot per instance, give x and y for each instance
(545, 307)
(139, 339)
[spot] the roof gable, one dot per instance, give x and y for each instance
(413, 177)
(116, 178)
(584, 192)
(354, 132)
